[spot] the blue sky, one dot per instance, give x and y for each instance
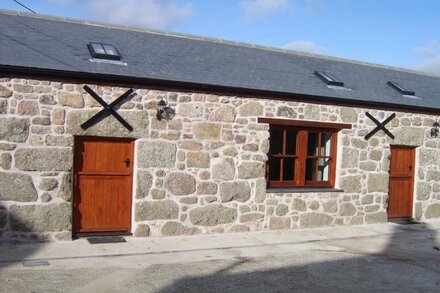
(403, 33)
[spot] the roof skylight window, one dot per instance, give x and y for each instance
(329, 78)
(401, 89)
(104, 51)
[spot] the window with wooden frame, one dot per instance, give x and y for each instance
(301, 153)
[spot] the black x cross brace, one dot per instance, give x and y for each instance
(108, 109)
(380, 126)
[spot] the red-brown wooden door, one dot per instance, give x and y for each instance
(401, 185)
(102, 186)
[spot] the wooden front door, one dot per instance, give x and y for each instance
(103, 171)
(400, 192)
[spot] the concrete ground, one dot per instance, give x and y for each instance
(370, 258)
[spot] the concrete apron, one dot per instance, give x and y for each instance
(143, 252)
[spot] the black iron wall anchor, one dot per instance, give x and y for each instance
(380, 126)
(108, 109)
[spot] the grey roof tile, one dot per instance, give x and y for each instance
(50, 43)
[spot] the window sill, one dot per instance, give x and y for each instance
(303, 190)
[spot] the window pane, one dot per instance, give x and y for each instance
(98, 49)
(289, 169)
(276, 141)
(312, 144)
(323, 169)
(110, 50)
(310, 169)
(325, 144)
(274, 169)
(291, 142)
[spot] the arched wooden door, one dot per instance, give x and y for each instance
(103, 172)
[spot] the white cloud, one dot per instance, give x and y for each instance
(305, 46)
(258, 9)
(144, 13)
(430, 53)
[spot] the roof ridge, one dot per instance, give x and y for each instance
(214, 40)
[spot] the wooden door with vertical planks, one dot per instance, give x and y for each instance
(401, 183)
(103, 172)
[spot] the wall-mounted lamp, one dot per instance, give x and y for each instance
(435, 129)
(164, 111)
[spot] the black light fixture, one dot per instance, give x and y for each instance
(164, 111)
(435, 129)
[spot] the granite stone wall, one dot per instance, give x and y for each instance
(203, 171)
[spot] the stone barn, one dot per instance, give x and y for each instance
(109, 129)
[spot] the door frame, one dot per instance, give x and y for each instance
(76, 191)
(412, 185)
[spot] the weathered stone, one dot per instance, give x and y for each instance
(14, 129)
(109, 126)
(418, 210)
(230, 151)
(225, 113)
(433, 211)
(7, 146)
(285, 111)
(190, 145)
(423, 191)
(58, 116)
(372, 209)
(377, 182)
(248, 170)
(375, 155)
(5, 92)
(189, 200)
(223, 169)
(330, 206)
(209, 199)
(251, 217)
(279, 223)
(281, 210)
(156, 154)
(239, 191)
(142, 230)
(260, 190)
(71, 100)
(27, 107)
(207, 188)
(143, 183)
(40, 218)
(23, 88)
(299, 205)
(428, 156)
(156, 210)
(3, 106)
(367, 166)
(251, 109)
(193, 110)
(59, 140)
(65, 191)
(351, 184)
(5, 161)
(311, 112)
(207, 131)
(350, 158)
(198, 160)
(239, 228)
(433, 175)
(175, 228)
(47, 100)
(367, 199)
(313, 220)
(212, 215)
(157, 193)
(347, 209)
(348, 115)
(379, 217)
(48, 184)
(17, 187)
(204, 174)
(314, 205)
(46, 197)
(407, 136)
(180, 183)
(359, 143)
(44, 159)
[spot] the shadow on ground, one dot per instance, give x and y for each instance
(409, 263)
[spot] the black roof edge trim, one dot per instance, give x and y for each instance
(196, 87)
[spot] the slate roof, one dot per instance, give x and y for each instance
(35, 43)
